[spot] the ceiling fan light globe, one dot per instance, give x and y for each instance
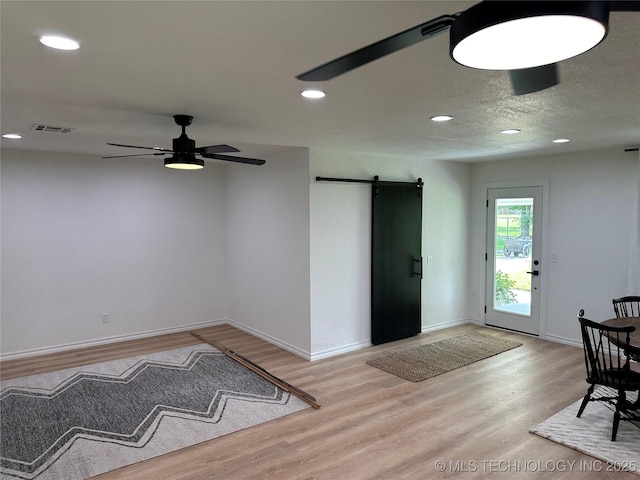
(179, 163)
(526, 34)
(184, 166)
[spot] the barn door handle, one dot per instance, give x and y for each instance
(418, 260)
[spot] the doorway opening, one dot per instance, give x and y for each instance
(514, 222)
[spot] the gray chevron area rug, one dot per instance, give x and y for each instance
(591, 433)
(77, 423)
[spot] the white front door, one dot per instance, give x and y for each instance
(514, 222)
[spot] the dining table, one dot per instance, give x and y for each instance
(634, 337)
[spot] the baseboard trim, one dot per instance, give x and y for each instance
(441, 326)
(272, 340)
(566, 341)
(332, 352)
(107, 340)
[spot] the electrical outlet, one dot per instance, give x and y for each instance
(105, 318)
(429, 260)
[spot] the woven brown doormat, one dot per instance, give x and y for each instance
(426, 361)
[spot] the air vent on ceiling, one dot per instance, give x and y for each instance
(39, 127)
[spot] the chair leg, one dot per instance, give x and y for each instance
(622, 401)
(585, 400)
(616, 421)
(621, 405)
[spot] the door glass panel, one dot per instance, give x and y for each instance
(513, 240)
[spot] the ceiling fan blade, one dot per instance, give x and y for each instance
(624, 6)
(137, 155)
(534, 79)
(216, 149)
(229, 158)
(136, 146)
(378, 50)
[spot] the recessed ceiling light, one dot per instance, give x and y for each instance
(510, 131)
(313, 93)
(561, 140)
(441, 118)
(12, 135)
(59, 43)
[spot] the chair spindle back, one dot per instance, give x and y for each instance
(604, 351)
(627, 306)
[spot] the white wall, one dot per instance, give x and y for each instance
(591, 219)
(268, 248)
(341, 250)
(340, 267)
(83, 236)
(281, 255)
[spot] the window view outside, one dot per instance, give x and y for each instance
(513, 235)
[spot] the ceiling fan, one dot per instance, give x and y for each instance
(185, 155)
(501, 35)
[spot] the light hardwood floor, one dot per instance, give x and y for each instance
(374, 425)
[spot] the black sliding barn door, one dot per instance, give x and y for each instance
(396, 262)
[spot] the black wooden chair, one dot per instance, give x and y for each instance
(627, 306)
(608, 365)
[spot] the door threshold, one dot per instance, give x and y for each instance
(511, 330)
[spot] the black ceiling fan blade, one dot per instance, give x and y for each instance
(138, 155)
(229, 158)
(624, 6)
(378, 50)
(534, 79)
(146, 148)
(211, 149)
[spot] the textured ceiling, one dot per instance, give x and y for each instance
(232, 65)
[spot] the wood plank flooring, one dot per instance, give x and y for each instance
(374, 425)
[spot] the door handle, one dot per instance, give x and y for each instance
(418, 260)
(535, 272)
